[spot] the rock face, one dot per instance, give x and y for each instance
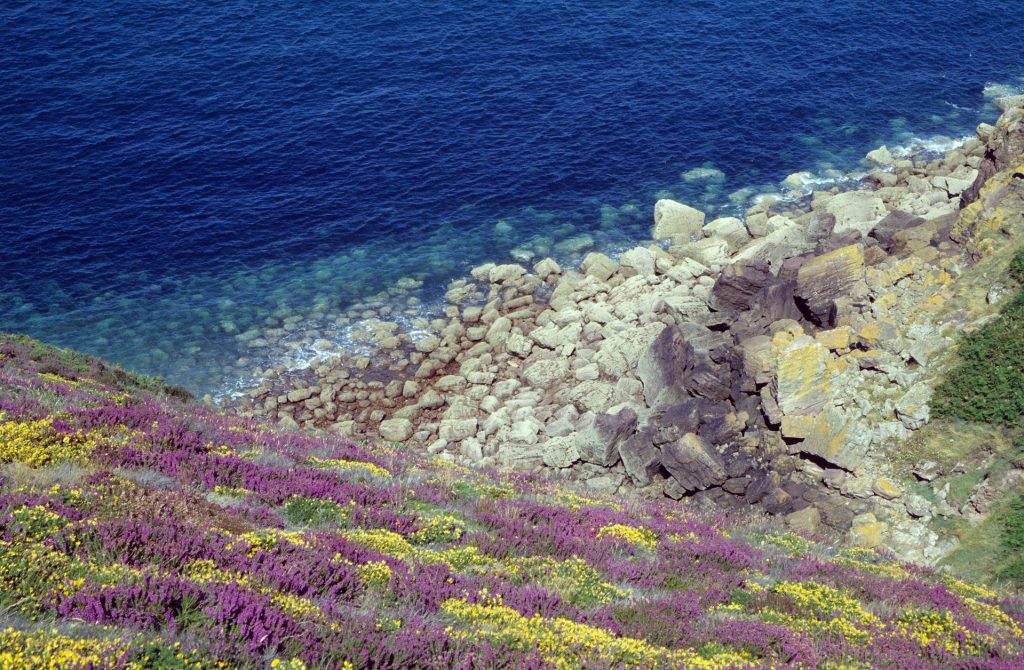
(677, 222)
(822, 280)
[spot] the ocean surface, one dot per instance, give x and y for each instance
(178, 177)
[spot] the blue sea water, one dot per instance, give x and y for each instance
(177, 177)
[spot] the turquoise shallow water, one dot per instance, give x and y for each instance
(177, 177)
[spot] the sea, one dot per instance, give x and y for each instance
(179, 178)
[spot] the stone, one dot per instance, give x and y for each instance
(856, 210)
(886, 489)
(662, 368)
(832, 438)
(509, 273)
(823, 279)
(519, 345)
(607, 483)
(473, 450)
(410, 388)
(431, 400)
(880, 156)
(546, 373)
(676, 221)
(299, 395)
(738, 282)
(451, 383)
(956, 182)
(598, 266)
(455, 430)
(805, 521)
(711, 251)
(731, 230)
(560, 452)
(788, 240)
(912, 409)
(641, 459)
(638, 261)
(796, 427)
(866, 531)
(547, 268)
(693, 463)
(598, 435)
(836, 339)
(803, 380)
(395, 430)
(918, 506)
(683, 308)
(758, 358)
(525, 431)
(1008, 102)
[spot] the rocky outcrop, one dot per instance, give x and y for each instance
(772, 361)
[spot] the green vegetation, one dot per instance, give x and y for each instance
(987, 385)
(1013, 541)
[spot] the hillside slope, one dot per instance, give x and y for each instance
(141, 530)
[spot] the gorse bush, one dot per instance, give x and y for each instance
(987, 385)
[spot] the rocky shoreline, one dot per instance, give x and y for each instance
(772, 361)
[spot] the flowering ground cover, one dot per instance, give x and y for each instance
(141, 530)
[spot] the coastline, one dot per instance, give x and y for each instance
(410, 308)
(751, 335)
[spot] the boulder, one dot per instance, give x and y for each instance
(640, 457)
(880, 156)
(676, 221)
(395, 430)
(598, 266)
(693, 463)
(891, 224)
(788, 240)
(598, 435)
(856, 210)
(832, 439)
(823, 279)
(638, 261)
(683, 308)
(545, 373)
(805, 521)
(663, 367)
(738, 282)
(886, 489)
(709, 251)
(455, 430)
(706, 380)
(912, 408)
(509, 273)
(729, 229)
